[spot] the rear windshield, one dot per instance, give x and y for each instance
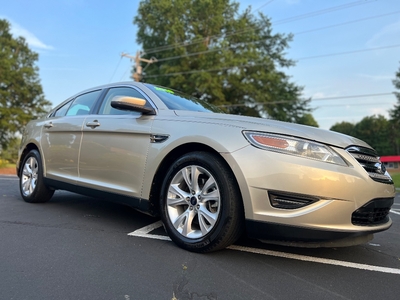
(179, 101)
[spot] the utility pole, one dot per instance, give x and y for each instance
(137, 76)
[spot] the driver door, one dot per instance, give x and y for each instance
(114, 147)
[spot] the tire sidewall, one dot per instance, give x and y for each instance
(213, 166)
(32, 197)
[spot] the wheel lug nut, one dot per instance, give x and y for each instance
(190, 207)
(193, 192)
(199, 197)
(198, 206)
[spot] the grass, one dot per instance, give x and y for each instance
(7, 166)
(396, 179)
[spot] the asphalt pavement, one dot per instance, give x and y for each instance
(77, 247)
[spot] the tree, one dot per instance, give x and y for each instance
(343, 127)
(395, 116)
(230, 59)
(375, 130)
(395, 112)
(10, 154)
(307, 119)
(21, 95)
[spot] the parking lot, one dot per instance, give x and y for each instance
(77, 247)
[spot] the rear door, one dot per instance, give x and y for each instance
(114, 147)
(61, 137)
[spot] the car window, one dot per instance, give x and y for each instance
(83, 104)
(106, 108)
(62, 110)
(179, 101)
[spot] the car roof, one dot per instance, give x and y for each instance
(159, 104)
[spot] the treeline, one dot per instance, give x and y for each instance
(377, 131)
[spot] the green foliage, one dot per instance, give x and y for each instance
(10, 154)
(3, 163)
(228, 58)
(375, 130)
(395, 115)
(395, 112)
(21, 95)
(344, 127)
(307, 119)
(396, 180)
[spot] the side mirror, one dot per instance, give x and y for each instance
(132, 104)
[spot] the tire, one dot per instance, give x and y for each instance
(31, 184)
(205, 214)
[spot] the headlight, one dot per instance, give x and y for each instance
(294, 146)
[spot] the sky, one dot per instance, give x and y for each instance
(346, 51)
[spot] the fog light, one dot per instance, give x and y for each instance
(290, 201)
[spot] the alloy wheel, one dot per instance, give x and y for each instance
(29, 176)
(193, 202)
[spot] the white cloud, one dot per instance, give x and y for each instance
(388, 35)
(33, 41)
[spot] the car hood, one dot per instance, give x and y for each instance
(272, 126)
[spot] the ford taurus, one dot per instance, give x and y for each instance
(210, 176)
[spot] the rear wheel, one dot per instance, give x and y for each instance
(31, 184)
(201, 206)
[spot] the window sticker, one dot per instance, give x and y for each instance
(164, 90)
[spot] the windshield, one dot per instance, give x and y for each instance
(179, 101)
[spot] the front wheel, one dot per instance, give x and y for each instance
(31, 185)
(201, 206)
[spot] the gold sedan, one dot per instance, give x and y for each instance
(210, 176)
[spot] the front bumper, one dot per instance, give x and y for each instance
(339, 192)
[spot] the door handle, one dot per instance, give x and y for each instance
(93, 124)
(48, 125)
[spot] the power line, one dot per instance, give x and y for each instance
(317, 99)
(209, 70)
(320, 12)
(346, 23)
(263, 5)
(260, 64)
(191, 54)
(346, 104)
(352, 96)
(126, 72)
(348, 52)
(249, 28)
(312, 30)
(115, 69)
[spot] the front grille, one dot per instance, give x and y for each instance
(374, 212)
(369, 160)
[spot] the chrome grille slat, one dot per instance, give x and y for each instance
(365, 157)
(371, 163)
